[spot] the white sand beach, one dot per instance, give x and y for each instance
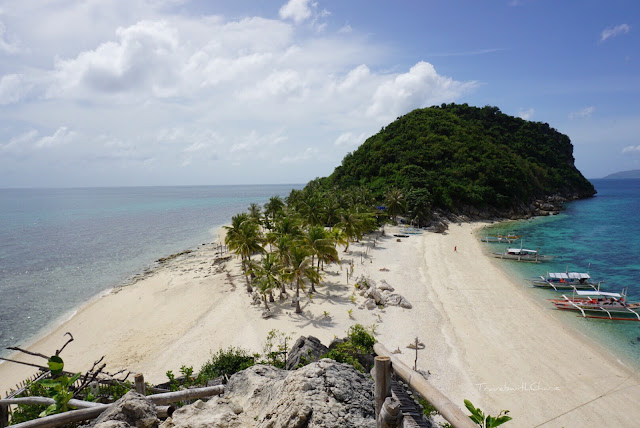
(486, 339)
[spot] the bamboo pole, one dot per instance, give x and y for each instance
(93, 412)
(4, 415)
(382, 377)
(140, 386)
(45, 401)
(442, 404)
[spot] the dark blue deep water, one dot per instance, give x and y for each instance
(61, 247)
(600, 235)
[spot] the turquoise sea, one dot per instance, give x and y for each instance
(61, 247)
(599, 235)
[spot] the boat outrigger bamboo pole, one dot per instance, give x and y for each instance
(442, 404)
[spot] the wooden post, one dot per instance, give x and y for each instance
(390, 414)
(382, 378)
(4, 416)
(140, 386)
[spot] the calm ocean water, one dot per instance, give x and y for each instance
(61, 247)
(600, 235)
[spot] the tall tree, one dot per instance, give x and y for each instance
(301, 269)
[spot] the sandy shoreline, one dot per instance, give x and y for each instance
(486, 339)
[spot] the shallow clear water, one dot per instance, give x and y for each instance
(600, 235)
(61, 247)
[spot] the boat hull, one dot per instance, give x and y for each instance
(523, 258)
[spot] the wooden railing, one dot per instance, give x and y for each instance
(386, 410)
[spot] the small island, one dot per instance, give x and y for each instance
(623, 175)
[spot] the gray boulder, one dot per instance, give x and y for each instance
(397, 300)
(321, 394)
(132, 410)
(304, 351)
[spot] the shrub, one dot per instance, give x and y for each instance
(226, 363)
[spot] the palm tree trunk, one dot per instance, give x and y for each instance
(271, 299)
(266, 306)
(298, 310)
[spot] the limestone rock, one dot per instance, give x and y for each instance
(305, 350)
(370, 304)
(384, 286)
(397, 300)
(132, 410)
(321, 394)
(374, 293)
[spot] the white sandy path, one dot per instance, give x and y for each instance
(481, 329)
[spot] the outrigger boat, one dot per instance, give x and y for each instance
(565, 281)
(601, 305)
(501, 239)
(523, 255)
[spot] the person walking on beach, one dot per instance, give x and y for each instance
(455, 249)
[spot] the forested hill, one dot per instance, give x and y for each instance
(467, 159)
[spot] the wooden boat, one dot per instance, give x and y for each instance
(523, 255)
(501, 239)
(565, 281)
(601, 305)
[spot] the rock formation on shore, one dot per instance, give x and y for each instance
(321, 394)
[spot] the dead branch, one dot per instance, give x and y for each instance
(65, 345)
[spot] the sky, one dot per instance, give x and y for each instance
(178, 92)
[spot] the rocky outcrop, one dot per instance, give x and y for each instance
(304, 351)
(380, 296)
(321, 394)
(132, 410)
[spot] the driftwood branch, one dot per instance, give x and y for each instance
(25, 364)
(35, 354)
(65, 345)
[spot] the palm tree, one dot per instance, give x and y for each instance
(317, 239)
(300, 268)
(268, 273)
(243, 237)
(396, 203)
(352, 225)
(273, 209)
(255, 213)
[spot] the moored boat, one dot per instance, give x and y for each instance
(600, 304)
(501, 239)
(565, 281)
(523, 255)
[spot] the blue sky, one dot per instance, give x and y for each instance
(172, 92)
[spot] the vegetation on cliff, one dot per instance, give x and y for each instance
(456, 157)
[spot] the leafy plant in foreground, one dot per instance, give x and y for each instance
(59, 387)
(486, 421)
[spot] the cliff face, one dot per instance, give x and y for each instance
(321, 394)
(466, 159)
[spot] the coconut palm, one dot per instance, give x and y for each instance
(352, 225)
(255, 213)
(300, 268)
(268, 272)
(317, 239)
(243, 237)
(396, 203)
(273, 209)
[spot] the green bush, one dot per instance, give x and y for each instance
(360, 336)
(225, 362)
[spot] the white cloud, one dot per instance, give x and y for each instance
(308, 153)
(421, 86)
(582, 114)
(526, 114)
(631, 149)
(5, 46)
(297, 10)
(614, 31)
(349, 139)
(12, 89)
(62, 136)
(162, 91)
